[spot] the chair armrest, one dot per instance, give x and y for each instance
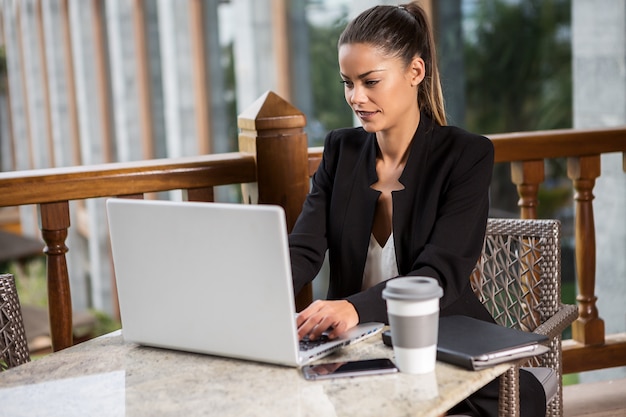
(555, 325)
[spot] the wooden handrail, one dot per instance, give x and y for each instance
(82, 182)
(540, 145)
(559, 143)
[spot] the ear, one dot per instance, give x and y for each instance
(417, 71)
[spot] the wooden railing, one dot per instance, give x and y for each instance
(273, 155)
(274, 166)
(583, 149)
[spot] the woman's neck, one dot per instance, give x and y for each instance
(394, 143)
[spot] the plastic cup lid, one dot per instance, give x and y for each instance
(412, 289)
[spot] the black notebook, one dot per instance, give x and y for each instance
(475, 344)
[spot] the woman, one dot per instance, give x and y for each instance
(402, 195)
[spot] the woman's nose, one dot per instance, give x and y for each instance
(358, 95)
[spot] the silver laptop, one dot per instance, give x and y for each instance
(211, 278)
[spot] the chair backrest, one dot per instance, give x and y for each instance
(518, 276)
(518, 279)
(13, 343)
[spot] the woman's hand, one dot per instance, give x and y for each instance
(334, 316)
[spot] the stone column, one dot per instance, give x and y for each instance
(176, 68)
(599, 83)
(64, 128)
(219, 114)
(448, 32)
(256, 64)
(19, 108)
(123, 70)
(35, 82)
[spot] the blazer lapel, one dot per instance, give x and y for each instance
(406, 202)
(359, 216)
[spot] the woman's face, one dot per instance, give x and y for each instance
(381, 90)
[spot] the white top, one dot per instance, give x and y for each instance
(381, 263)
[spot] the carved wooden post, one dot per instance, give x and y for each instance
(54, 222)
(272, 129)
(583, 171)
(527, 175)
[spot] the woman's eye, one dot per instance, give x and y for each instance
(346, 83)
(371, 83)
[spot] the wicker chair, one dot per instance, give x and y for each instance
(13, 345)
(518, 279)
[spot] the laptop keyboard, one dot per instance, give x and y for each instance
(307, 344)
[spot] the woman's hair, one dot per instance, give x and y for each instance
(402, 31)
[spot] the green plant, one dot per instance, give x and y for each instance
(104, 323)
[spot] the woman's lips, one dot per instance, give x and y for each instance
(365, 114)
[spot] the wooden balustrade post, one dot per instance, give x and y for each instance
(54, 221)
(527, 175)
(273, 130)
(589, 327)
(201, 194)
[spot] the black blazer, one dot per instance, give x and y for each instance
(438, 219)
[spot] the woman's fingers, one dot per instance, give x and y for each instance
(334, 316)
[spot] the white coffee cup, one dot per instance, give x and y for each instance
(413, 310)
